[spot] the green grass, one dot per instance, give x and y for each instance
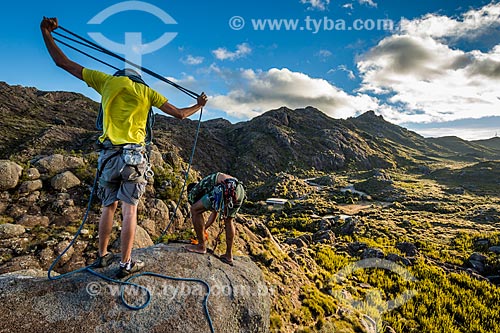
(453, 302)
(444, 227)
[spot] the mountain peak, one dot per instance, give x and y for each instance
(370, 114)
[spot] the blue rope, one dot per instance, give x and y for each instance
(205, 298)
(125, 282)
(97, 47)
(195, 142)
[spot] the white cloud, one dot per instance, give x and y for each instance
(370, 3)
(316, 4)
(348, 6)
(192, 60)
(343, 68)
(428, 80)
(241, 50)
(463, 133)
(185, 80)
(350, 73)
(254, 92)
(470, 25)
(324, 54)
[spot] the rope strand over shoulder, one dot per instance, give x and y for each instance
(91, 45)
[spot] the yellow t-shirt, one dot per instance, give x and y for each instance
(125, 104)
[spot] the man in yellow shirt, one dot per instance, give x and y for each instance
(125, 109)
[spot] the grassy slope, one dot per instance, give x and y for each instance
(445, 228)
(493, 143)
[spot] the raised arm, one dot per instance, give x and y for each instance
(61, 60)
(184, 112)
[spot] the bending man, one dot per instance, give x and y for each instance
(222, 194)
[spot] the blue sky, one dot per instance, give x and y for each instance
(436, 72)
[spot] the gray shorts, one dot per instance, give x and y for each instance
(120, 181)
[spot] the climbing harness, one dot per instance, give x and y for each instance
(133, 153)
(230, 191)
(222, 194)
(87, 43)
(217, 198)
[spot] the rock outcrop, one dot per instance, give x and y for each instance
(239, 299)
(57, 163)
(64, 181)
(10, 173)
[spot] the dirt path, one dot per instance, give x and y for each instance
(353, 209)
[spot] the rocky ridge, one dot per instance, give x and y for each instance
(279, 140)
(411, 202)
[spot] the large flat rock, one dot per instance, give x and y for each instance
(239, 300)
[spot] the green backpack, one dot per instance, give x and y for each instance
(197, 190)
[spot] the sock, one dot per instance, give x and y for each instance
(127, 265)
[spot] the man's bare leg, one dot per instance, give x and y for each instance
(199, 227)
(129, 226)
(105, 227)
(230, 232)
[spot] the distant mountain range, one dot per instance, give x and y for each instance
(36, 122)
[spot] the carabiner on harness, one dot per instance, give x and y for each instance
(149, 173)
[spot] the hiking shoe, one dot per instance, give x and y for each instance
(104, 261)
(130, 268)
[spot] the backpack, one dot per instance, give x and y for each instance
(196, 192)
(134, 76)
